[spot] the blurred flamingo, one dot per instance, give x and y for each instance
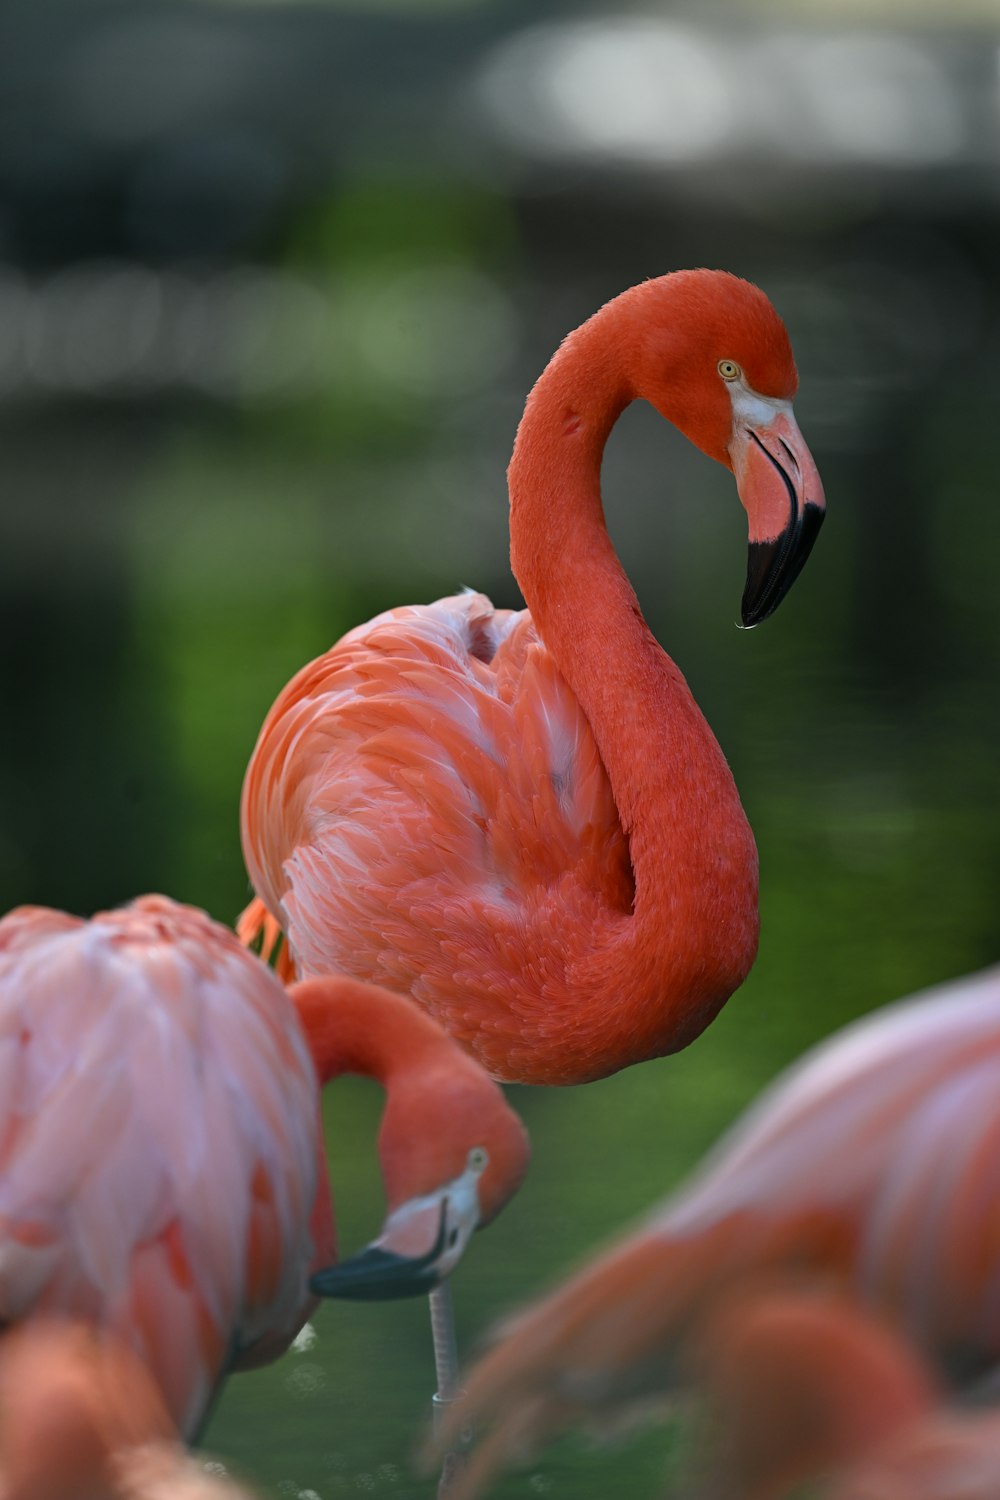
(162, 1172)
(81, 1419)
(949, 1455)
(808, 1385)
(522, 820)
(872, 1167)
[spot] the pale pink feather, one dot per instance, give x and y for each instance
(873, 1164)
(427, 809)
(153, 1075)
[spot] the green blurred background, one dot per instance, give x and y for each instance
(275, 279)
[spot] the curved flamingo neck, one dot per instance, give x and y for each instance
(688, 837)
(354, 1027)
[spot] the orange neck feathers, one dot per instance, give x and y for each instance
(354, 1027)
(440, 1104)
(692, 851)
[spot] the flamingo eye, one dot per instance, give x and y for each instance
(729, 370)
(478, 1159)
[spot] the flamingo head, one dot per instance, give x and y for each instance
(452, 1153)
(708, 350)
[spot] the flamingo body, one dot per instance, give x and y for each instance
(872, 1167)
(81, 1419)
(159, 1141)
(806, 1384)
(522, 820)
(162, 1168)
(949, 1455)
(434, 816)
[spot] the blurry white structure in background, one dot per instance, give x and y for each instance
(773, 123)
(636, 88)
(878, 98)
(120, 331)
(656, 92)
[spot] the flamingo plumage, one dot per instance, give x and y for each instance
(872, 1167)
(806, 1386)
(949, 1454)
(81, 1419)
(160, 1154)
(162, 1169)
(521, 819)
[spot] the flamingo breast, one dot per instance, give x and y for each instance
(426, 808)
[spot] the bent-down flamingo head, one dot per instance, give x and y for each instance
(714, 358)
(452, 1151)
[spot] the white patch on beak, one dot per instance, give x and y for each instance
(753, 410)
(451, 1212)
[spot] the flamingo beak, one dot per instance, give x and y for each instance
(421, 1243)
(781, 491)
(382, 1271)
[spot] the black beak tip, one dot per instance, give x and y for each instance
(374, 1276)
(753, 613)
(773, 566)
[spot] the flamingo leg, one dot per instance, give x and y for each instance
(448, 1392)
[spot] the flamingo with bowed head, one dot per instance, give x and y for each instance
(162, 1172)
(81, 1419)
(522, 820)
(872, 1167)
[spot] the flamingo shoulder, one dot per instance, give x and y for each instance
(862, 1101)
(433, 756)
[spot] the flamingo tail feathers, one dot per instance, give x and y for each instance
(262, 934)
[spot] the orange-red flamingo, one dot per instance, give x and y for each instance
(872, 1167)
(949, 1455)
(162, 1169)
(522, 820)
(808, 1385)
(81, 1419)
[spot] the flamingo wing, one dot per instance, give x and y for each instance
(873, 1164)
(426, 808)
(158, 1116)
(882, 1148)
(951, 1455)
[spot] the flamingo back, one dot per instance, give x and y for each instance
(872, 1167)
(158, 1138)
(951, 1455)
(878, 1151)
(426, 808)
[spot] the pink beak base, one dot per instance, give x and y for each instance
(781, 491)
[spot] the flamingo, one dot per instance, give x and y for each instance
(951, 1455)
(805, 1385)
(871, 1167)
(81, 1417)
(522, 820)
(162, 1170)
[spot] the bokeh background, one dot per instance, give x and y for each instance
(274, 281)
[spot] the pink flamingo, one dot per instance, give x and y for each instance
(872, 1167)
(522, 820)
(162, 1172)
